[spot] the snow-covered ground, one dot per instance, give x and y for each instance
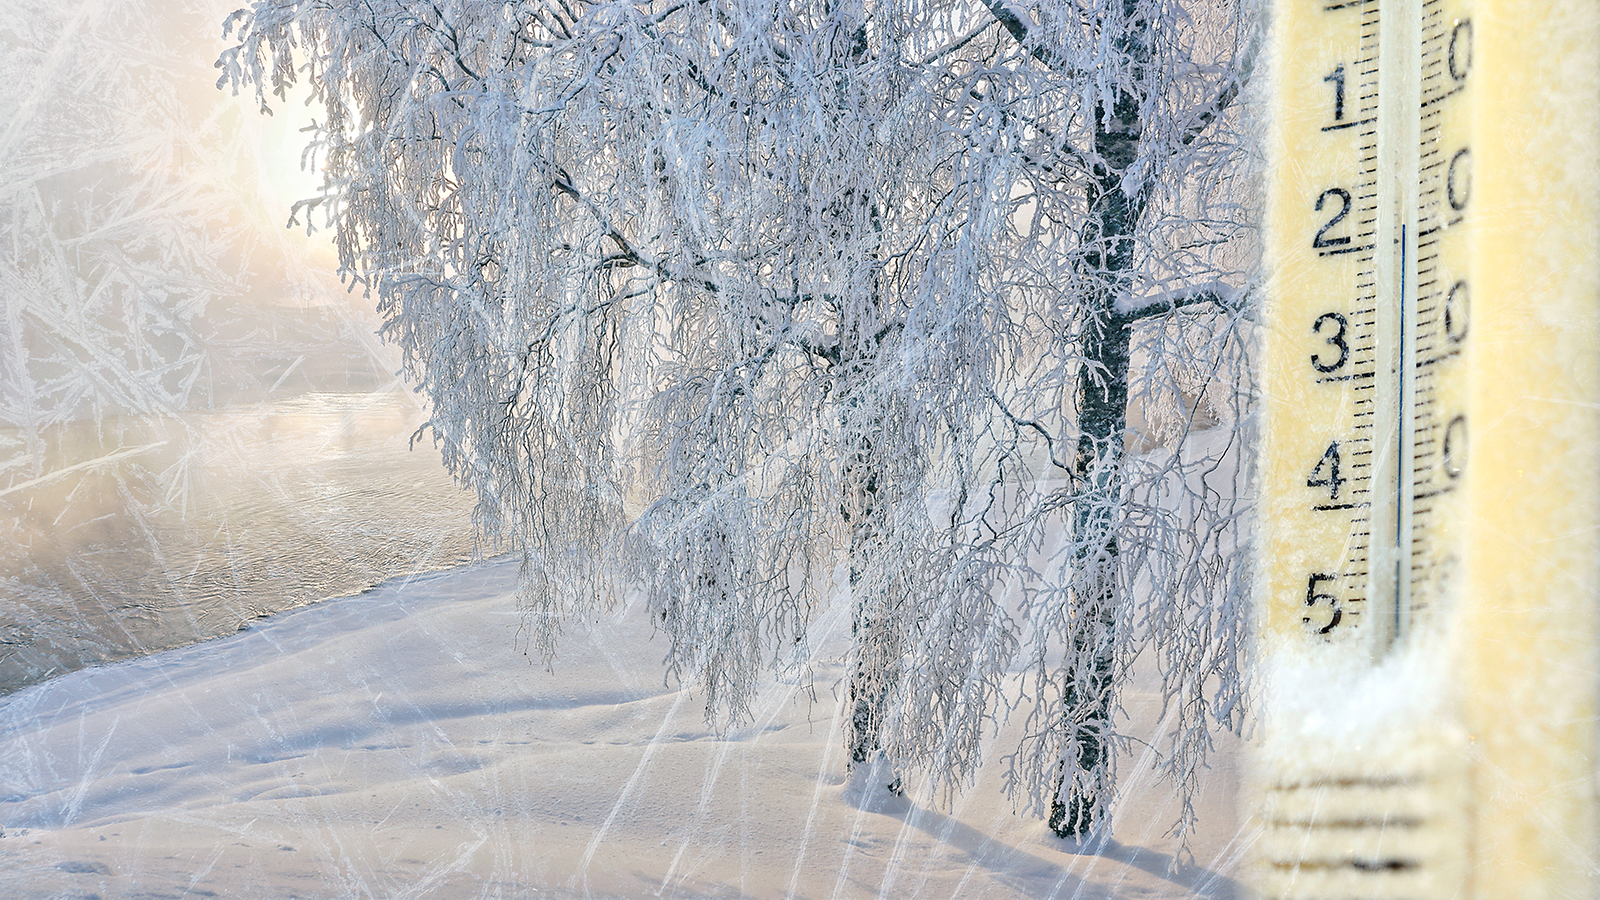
(396, 744)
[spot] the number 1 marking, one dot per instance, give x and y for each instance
(1338, 92)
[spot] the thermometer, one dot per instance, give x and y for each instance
(1429, 549)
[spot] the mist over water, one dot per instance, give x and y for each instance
(148, 533)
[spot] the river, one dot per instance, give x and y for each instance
(132, 535)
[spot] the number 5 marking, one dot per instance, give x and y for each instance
(1313, 597)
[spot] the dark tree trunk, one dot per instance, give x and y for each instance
(875, 670)
(1102, 394)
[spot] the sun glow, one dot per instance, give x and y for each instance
(286, 172)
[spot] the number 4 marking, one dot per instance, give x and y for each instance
(1326, 472)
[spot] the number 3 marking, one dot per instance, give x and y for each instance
(1337, 340)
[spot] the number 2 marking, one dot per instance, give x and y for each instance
(1322, 241)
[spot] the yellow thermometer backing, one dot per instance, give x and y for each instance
(1430, 473)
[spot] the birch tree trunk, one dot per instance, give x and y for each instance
(1108, 243)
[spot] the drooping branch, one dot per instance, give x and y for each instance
(1232, 88)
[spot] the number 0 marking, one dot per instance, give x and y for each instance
(1458, 182)
(1456, 311)
(1453, 455)
(1461, 50)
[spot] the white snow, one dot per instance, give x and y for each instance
(396, 744)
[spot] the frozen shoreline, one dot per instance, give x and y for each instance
(395, 743)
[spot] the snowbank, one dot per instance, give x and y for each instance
(395, 744)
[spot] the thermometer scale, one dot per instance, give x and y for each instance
(1430, 478)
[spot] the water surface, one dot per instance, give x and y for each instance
(137, 534)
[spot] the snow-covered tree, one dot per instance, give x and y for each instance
(713, 295)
